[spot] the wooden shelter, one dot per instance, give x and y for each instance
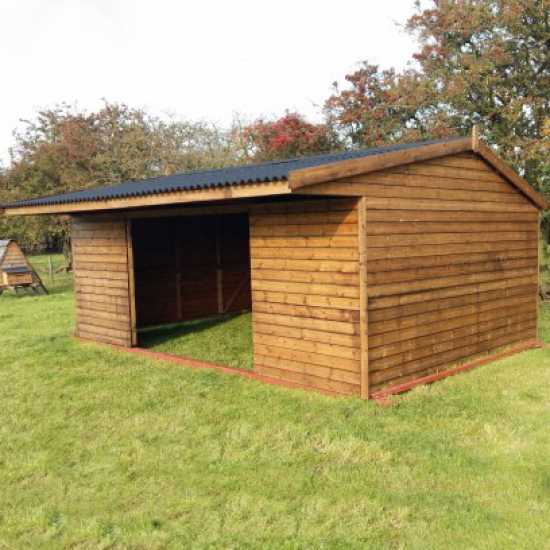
(15, 271)
(363, 269)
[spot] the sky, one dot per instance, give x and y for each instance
(199, 60)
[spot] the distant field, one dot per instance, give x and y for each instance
(61, 282)
(99, 449)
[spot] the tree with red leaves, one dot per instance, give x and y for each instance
(286, 137)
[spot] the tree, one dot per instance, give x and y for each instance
(382, 106)
(483, 62)
(489, 61)
(287, 137)
(65, 149)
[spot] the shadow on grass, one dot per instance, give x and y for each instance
(150, 337)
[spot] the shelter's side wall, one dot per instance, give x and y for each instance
(100, 258)
(305, 293)
(451, 265)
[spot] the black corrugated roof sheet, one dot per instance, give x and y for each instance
(205, 179)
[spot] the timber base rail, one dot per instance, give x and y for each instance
(382, 397)
(200, 364)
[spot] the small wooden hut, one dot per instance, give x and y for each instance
(363, 270)
(15, 271)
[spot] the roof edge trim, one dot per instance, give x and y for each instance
(246, 190)
(507, 172)
(353, 167)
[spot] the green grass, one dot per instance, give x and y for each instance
(61, 282)
(99, 449)
(544, 323)
(225, 339)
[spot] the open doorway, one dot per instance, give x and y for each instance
(192, 286)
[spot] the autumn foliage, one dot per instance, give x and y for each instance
(484, 62)
(286, 137)
(382, 106)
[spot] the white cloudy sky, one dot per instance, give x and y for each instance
(199, 59)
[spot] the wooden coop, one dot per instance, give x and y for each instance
(16, 273)
(364, 270)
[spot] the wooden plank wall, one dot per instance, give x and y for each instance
(100, 257)
(305, 292)
(452, 264)
(190, 267)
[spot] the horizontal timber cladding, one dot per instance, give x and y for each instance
(452, 264)
(190, 267)
(305, 292)
(101, 275)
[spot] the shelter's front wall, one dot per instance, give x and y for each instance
(305, 293)
(452, 266)
(102, 294)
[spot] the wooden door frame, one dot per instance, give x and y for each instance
(131, 284)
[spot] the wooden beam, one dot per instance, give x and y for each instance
(248, 190)
(539, 279)
(506, 171)
(178, 262)
(219, 268)
(363, 296)
(352, 167)
(189, 210)
(131, 284)
(236, 292)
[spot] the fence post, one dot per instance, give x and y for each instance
(50, 268)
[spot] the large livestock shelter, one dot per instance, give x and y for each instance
(363, 269)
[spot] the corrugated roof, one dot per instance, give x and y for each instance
(206, 179)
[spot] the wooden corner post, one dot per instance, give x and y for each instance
(219, 268)
(363, 302)
(540, 244)
(131, 284)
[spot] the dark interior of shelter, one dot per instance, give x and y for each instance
(190, 267)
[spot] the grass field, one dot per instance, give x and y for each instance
(103, 450)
